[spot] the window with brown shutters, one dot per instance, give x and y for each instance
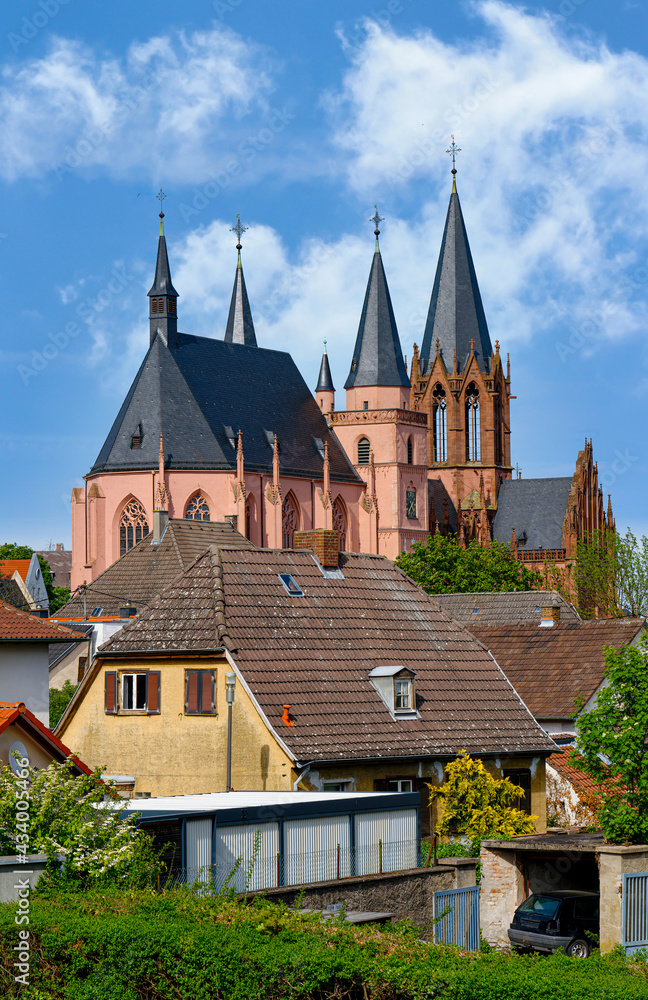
(153, 692)
(111, 692)
(199, 692)
(153, 305)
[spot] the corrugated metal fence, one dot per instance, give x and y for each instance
(460, 925)
(634, 931)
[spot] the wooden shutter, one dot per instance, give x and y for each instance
(110, 705)
(191, 697)
(153, 692)
(206, 703)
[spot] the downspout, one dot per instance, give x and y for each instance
(300, 777)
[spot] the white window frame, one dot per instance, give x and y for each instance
(133, 708)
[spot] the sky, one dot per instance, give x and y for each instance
(301, 116)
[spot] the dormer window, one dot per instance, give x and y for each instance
(403, 694)
(395, 685)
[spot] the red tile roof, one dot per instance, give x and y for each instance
(17, 626)
(551, 667)
(12, 711)
(9, 566)
(584, 784)
(315, 653)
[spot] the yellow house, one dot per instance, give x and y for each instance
(347, 677)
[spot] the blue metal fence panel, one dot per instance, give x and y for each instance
(461, 924)
(634, 900)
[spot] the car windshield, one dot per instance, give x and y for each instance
(544, 906)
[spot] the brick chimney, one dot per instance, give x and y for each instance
(549, 614)
(324, 543)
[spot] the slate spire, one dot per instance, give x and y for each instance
(240, 327)
(456, 314)
(377, 356)
(163, 298)
(325, 380)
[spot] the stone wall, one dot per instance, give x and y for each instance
(502, 891)
(615, 862)
(12, 872)
(408, 895)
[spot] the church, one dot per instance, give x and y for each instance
(223, 429)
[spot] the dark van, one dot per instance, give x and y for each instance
(547, 921)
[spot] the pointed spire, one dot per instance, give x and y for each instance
(377, 356)
(239, 458)
(163, 298)
(162, 491)
(275, 464)
(327, 471)
(240, 327)
(325, 380)
(456, 314)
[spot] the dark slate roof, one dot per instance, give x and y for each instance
(315, 653)
(456, 314)
(535, 507)
(200, 392)
(147, 569)
(512, 607)
(377, 355)
(325, 380)
(162, 284)
(551, 667)
(10, 593)
(240, 327)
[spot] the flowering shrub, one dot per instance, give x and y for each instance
(68, 816)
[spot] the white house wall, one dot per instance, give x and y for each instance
(24, 676)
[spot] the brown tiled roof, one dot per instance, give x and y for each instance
(315, 653)
(16, 626)
(584, 784)
(60, 563)
(148, 569)
(516, 606)
(550, 667)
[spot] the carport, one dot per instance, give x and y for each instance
(513, 869)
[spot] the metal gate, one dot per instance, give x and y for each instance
(461, 924)
(634, 927)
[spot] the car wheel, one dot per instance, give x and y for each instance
(578, 949)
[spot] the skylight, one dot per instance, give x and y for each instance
(475, 611)
(290, 585)
(96, 612)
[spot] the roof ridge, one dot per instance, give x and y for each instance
(219, 598)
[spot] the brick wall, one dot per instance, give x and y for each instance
(324, 542)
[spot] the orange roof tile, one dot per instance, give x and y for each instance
(583, 783)
(17, 626)
(10, 711)
(9, 566)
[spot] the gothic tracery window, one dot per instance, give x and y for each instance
(197, 508)
(289, 521)
(439, 424)
(473, 430)
(133, 526)
(340, 522)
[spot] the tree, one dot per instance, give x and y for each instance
(478, 805)
(58, 596)
(52, 812)
(442, 566)
(632, 573)
(59, 699)
(613, 745)
(595, 575)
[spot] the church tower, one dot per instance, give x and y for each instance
(163, 298)
(384, 438)
(460, 382)
(240, 327)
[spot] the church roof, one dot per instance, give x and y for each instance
(162, 284)
(377, 355)
(456, 314)
(199, 394)
(536, 508)
(503, 607)
(325, 380)
(240, 327)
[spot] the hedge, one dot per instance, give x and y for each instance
(175, 945)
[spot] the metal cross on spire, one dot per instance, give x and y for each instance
(376, 219)
(453, 150)
(239, 229)
(161, 196)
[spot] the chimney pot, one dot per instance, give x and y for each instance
(285, 718)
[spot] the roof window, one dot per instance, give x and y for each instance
(231, 437)
(319, 444)
(95, 612)
(475, 611)
(396, 687)
(290, 585)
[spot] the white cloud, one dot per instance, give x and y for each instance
(552, 172)
(171, 106)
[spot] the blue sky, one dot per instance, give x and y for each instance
(300, 116)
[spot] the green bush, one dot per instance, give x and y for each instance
(139, 945)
